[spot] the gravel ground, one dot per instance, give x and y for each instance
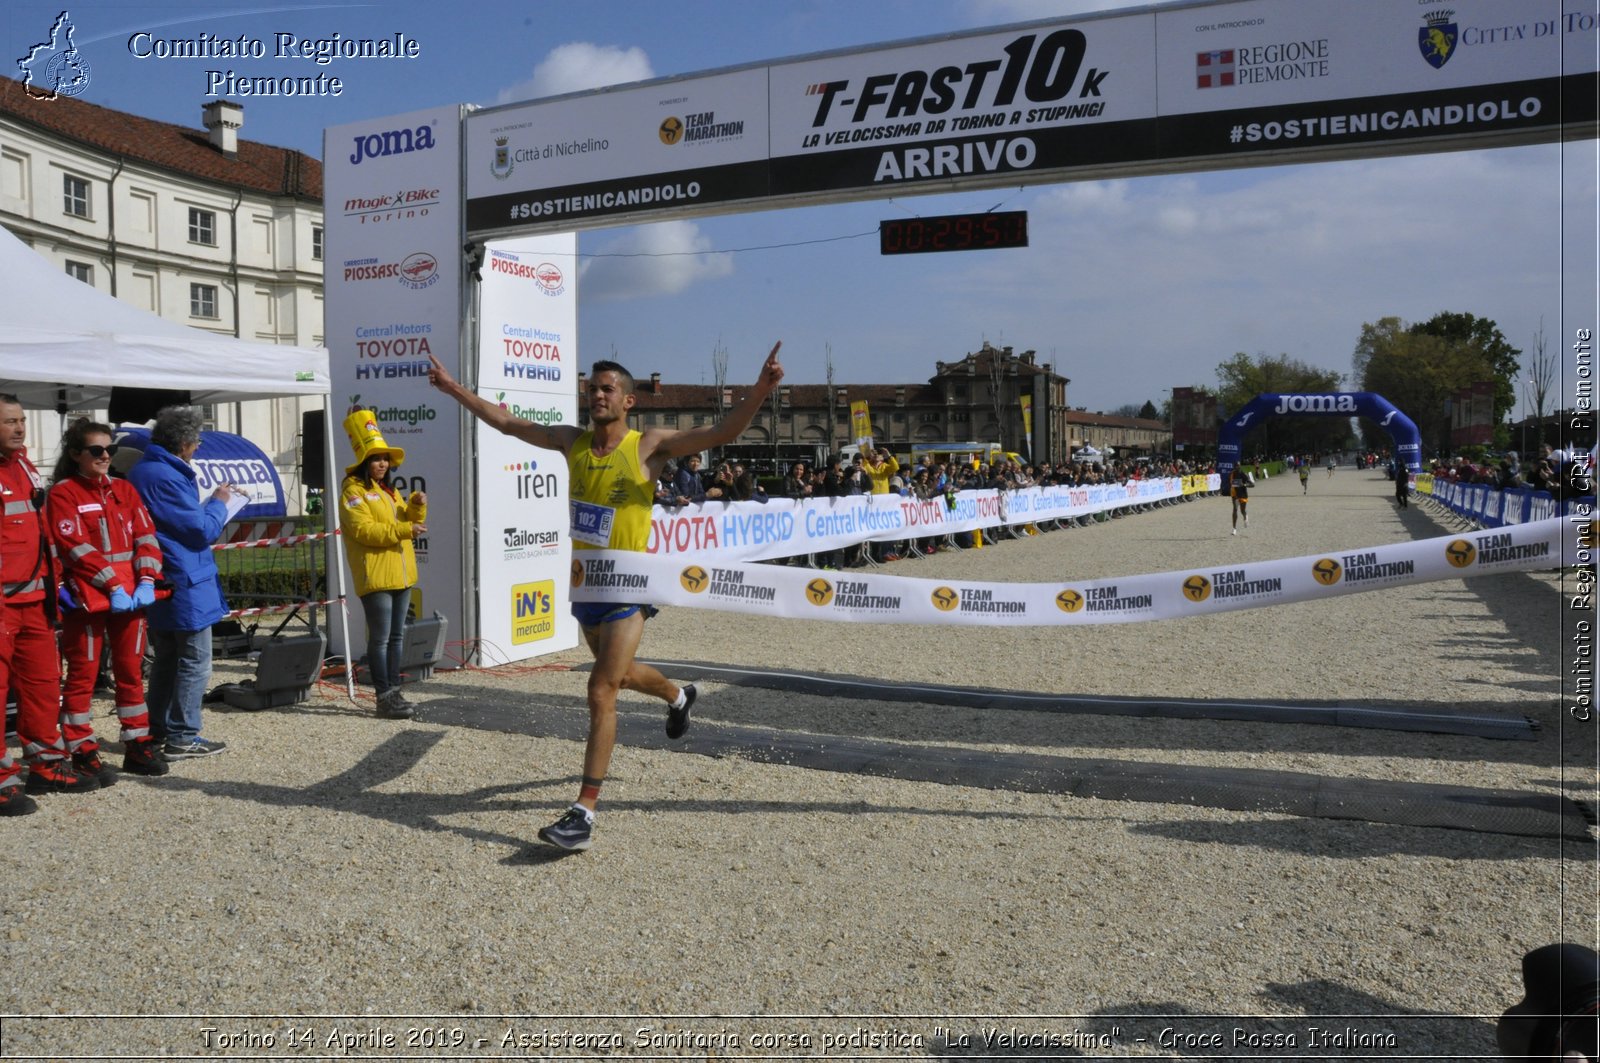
(366, 887)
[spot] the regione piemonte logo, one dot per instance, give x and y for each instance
(1214, 69)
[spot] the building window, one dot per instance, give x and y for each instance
(316, 242)
(202, 227)
(700, 420)
(961, 391)
(670, 419)
(931, 417)
(75, 196)
(959, 416)
(203, 300)
(82, 271)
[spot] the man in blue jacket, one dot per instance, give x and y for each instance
(180, 627)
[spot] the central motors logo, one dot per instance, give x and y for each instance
(1460, 553)
(533, 611)
(819, 592)
(1069, 601)
(1197, 588)
(1326, 571)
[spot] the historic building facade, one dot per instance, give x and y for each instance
(195, 225)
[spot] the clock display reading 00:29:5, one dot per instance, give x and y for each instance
(953, 232)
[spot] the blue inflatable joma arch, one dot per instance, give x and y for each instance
(1374, 407)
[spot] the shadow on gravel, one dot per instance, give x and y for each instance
(1336, 1022)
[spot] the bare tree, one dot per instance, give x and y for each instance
(997, 390)
(1541, 376)
(833, 437)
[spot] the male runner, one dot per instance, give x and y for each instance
(1240, 490)
(613, 473)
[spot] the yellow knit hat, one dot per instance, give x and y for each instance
(366, 439)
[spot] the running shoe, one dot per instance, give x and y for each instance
(678, 719)
(192, 748)
(572, 831)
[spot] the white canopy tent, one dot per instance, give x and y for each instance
(65, 345)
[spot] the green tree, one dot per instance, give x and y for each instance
(1419, 368)
(1148, 411)
(1242, 378)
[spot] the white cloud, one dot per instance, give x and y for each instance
(578, 66)
(652, 260)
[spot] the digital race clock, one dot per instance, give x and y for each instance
(953, 232)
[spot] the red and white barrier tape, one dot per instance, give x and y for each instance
(287, 607)
(288, 540)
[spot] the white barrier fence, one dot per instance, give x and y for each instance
(798, 593)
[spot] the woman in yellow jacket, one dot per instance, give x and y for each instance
(380, 524)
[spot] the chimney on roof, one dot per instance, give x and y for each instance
(655, 383)
(222, 119)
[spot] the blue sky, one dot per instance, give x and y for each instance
(1130, 287)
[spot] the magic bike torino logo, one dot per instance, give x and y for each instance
(1197, 588)
(1437, 38)
(1069, 601)
(54, 67)
(1326, 571)
(533, 611)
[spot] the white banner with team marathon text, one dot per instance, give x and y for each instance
(783, 527)
(809, 594)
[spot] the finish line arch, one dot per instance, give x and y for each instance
(1368, 404)
(456, 238)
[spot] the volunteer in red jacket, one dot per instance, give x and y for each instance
(110, 561)
(28, 661)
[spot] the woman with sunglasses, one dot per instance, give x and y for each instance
(110, 562)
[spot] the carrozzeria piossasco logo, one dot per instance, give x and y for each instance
(416, 271)
(547, 276)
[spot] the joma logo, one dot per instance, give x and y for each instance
(1315, 404)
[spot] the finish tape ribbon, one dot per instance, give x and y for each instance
(869, 597)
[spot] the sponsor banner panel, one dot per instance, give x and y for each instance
(754, 531)
(706, 131)
(392, 201)
(868, 597)
(528, 314)
(526, 363)
(1275, 52)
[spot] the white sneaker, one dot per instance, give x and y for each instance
(1234, 532)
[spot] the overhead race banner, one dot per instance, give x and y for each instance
(1205, 85)
(868, 597)
(756, 531)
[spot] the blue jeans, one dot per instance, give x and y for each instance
(177, 682)
(386, 635)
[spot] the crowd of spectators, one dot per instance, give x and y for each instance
(731, 482)
(1551, 470)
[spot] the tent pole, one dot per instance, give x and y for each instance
(330, 514)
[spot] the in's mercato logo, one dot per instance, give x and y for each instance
(392, 142)
(55, 67)
(1437, 38)
(533, 611)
